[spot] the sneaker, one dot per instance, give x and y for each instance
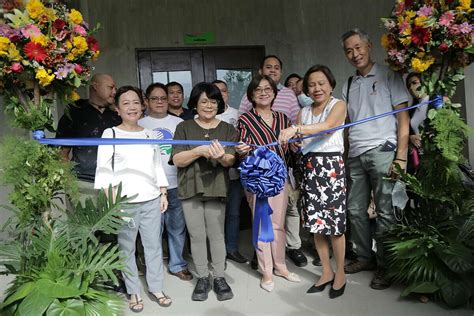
(200, 293)
(379, 281)
(357, 266)
(222, 289)
(298, 257)
(236, 256)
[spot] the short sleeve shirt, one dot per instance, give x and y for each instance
(203, 177)
(378, 92)
(84, 121)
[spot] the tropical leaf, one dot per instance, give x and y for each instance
(422, 287)
(454, 293)
(73, 307)
(101, 303)
(103, 261)
(35, 303)
(457, 258)
(19, 294)
(58, 289)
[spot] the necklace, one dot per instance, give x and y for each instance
(207, 128)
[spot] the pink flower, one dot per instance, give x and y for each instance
(30, 31)
(425, 11)
(454, 29)
(403, 26)
(446, 18)
(16, 67)
(465, 28)
(78, 69)
(80, 30)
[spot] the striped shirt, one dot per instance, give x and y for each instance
(285, 102)
(254, 131)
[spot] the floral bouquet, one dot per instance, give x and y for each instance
(432, 37)
(45, 50)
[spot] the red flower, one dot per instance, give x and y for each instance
(420, 35)
(333, 174)
(409, 3)
(443, 47)
(59, 24)
(309, 165)
(35, 51)
(93, 44)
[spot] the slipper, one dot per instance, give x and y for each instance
(163, 301)
(136, 305)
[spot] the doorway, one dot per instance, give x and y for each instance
(234, 65)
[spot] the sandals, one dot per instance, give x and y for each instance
(136, 305)
(163, 301)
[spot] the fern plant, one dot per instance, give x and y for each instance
(432, 250)
(62, 269)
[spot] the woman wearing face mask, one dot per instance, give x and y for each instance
(324, 180)
(138, 168)
(203, 180)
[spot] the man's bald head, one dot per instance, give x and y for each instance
(102, 90)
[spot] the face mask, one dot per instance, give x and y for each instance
(304, 100)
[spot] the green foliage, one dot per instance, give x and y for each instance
(31, 118)
(432, 250)
(61, 268)
(38, 175)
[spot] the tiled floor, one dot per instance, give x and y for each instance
(287, 298)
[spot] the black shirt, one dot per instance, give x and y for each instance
(83, 120)
(185, 115)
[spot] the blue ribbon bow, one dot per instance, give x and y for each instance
(263, 173)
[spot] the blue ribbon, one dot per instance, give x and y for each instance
(263, 173)
(437, 103)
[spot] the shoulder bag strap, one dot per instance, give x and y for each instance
(113, 155)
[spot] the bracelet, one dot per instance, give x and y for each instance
(404, 160)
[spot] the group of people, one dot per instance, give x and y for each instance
(196, 189)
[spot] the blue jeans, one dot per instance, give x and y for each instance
(173, 222)
(232, 216)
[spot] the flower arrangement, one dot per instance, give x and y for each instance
(44, 47)
(432, 37)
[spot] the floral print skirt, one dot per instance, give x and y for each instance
(323, 191)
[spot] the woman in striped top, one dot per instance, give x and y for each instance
(261, 126)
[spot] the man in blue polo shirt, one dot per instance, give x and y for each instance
(375, 148)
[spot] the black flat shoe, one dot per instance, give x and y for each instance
(319, 288)
(335, 293)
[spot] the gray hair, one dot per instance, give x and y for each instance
(362, 34)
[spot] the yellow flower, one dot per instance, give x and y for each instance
(45, 77)
(74, 96)
(464, 5)
(405, 40)
(75, 16)
(40, 39)
(420, 21)
(51, 14)
(70, 57)
(407, 32)
(68, 44)
(95, 56)
(80, 45)
(4, 43)
(410, 14)
(420, 65)
(385, 41)
(35, 8)
(13, 53)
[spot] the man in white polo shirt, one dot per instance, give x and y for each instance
(285, 102)
(374, 149)
(164, 125)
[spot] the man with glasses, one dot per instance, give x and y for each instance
(164, 125)
(285, 102)
(175, 101)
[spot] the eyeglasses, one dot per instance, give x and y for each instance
(157, 99)
(266, 90)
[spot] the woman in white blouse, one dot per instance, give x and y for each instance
(139, 169)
